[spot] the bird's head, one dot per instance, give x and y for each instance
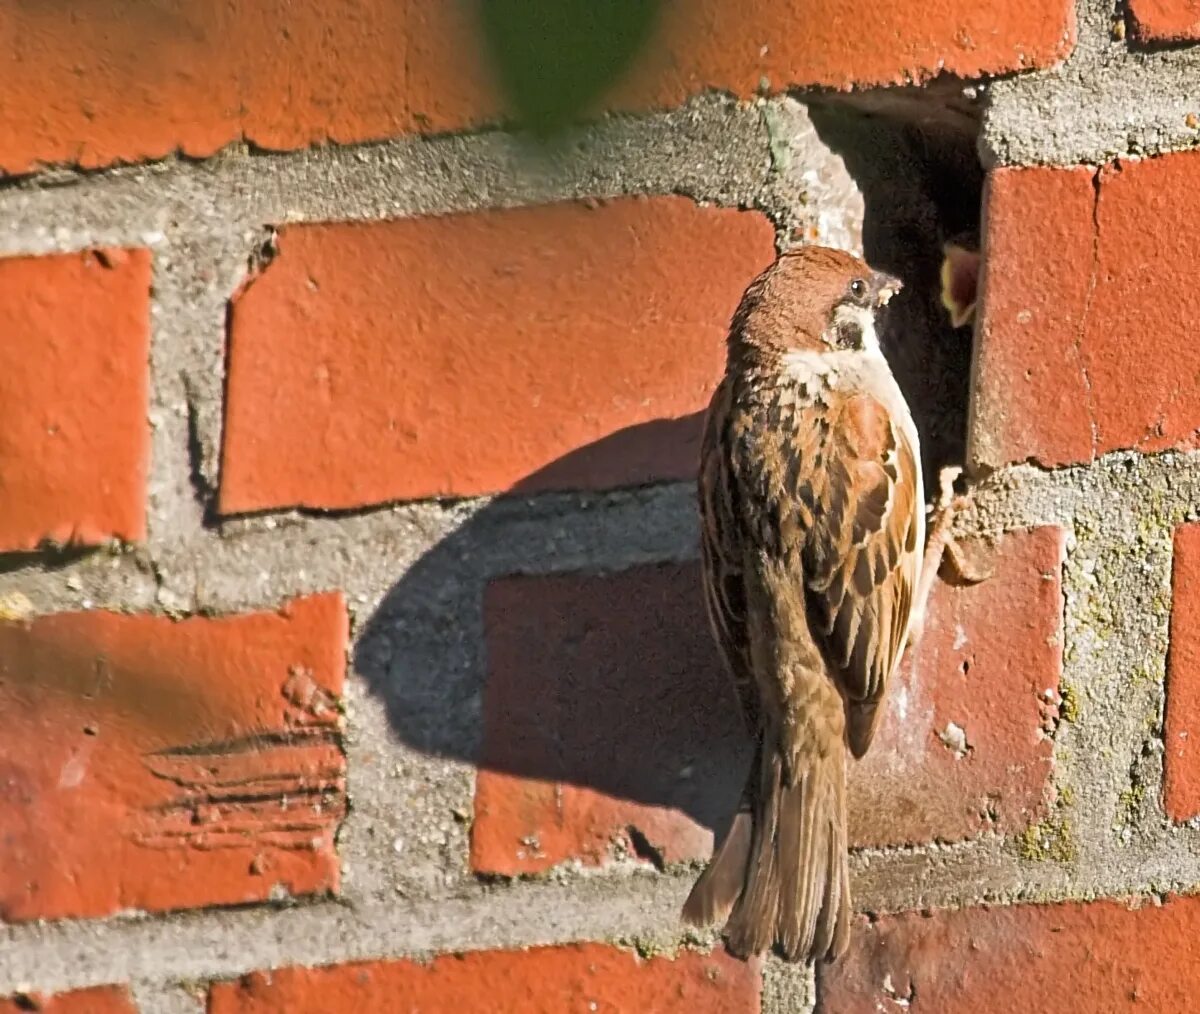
(815, 299)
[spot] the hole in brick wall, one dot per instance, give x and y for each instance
(912, 153)
(644, 849)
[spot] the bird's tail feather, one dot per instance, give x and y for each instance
(780, 877)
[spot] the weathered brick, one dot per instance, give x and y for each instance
(583, 977)
(1088, 306)
(988, 663)
(74, 444)
(735, 46)
(98, 1000)
(109, 82)
(1165, 20)
(362, 369)
(609, 727)
(1181, 774)
(1072, 958)
(153, 764)
(609, 724)
(119, 82)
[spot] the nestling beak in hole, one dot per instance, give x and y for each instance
(960, 282)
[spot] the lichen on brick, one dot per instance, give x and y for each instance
(1050, 841)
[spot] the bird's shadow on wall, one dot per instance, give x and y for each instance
(514, 645)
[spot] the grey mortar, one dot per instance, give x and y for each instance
(157, 997)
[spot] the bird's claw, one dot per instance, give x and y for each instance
(957, 564)
(941, 547)
(947, 498)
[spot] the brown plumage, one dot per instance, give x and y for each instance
(812, 529)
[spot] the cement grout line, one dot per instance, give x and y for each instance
(260, 562)
(1109, 99)
(712, 149)
(159, 997)
(189, 947)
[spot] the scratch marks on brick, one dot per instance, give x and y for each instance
(284, 790)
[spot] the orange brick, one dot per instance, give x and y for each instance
(152, 764)
(1181, 775)
(99, 1000)
(365, 368)
(610, 728)
(606, 709)
(458, 63)
(544, 980)
(1165, 20)
(734, 46)
(118, 82)
(1088, 306)
(74, 348)
(109, 82)
(1070, 958)
(987, 659)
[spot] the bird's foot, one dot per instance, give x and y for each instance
(965, 566)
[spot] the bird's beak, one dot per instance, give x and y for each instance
(886, 287)
(960, 283)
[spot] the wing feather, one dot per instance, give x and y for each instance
(861, 560)
(724, 587)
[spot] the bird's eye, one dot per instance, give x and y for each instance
(858, 288)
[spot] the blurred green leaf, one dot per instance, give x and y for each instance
(555, 58)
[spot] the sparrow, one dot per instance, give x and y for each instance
(813, 526)
(960, 278)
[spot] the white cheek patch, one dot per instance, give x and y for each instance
(862, 318)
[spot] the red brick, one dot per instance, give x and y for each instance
(99, 1000)
(1088, 310)
(110, 82)
(1181, 775)
(73, 383)
(1069, 958)
(606, 709)
(577, 977)
(1165, 20)
(364, 369)
(985, 662)
(118, 82)
(152, 764)
(733, 45)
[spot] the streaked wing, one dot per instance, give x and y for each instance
(861, 557)
(720, 544)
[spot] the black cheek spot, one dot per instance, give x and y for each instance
(849, 336)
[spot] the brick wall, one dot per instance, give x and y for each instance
(351, 643)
